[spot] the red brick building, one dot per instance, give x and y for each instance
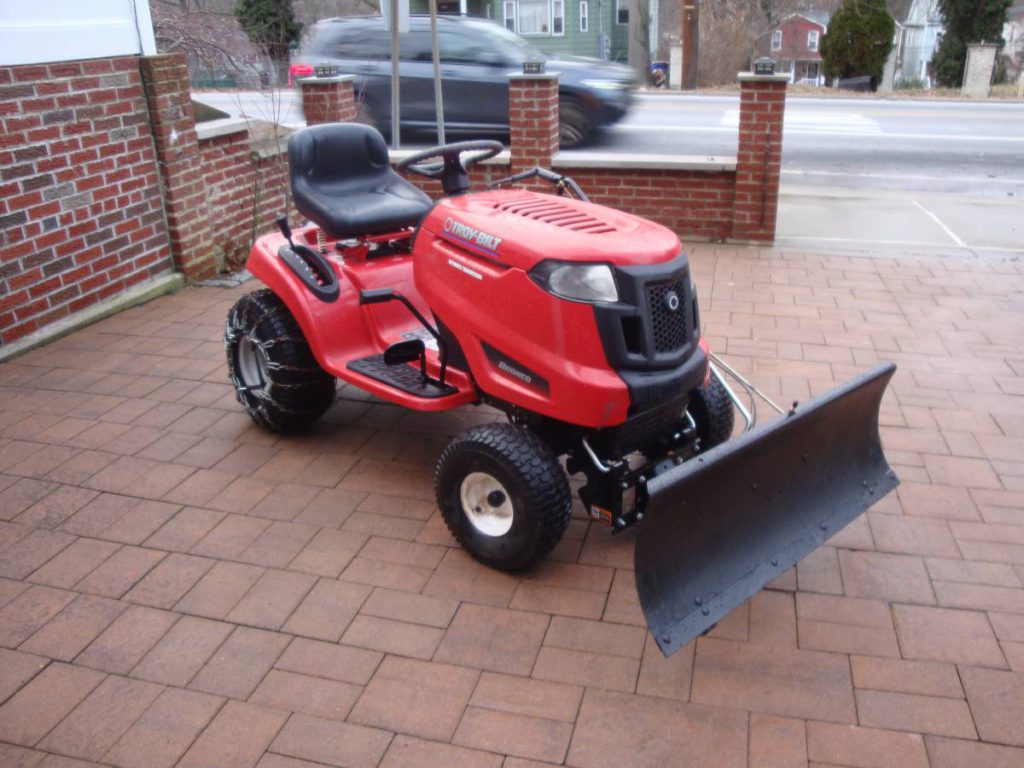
(795, 45)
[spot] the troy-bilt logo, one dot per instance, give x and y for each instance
(474, 238)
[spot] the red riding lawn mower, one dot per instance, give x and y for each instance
(581, 324)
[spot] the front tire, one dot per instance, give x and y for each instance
(503, 495)
(713, 412)
(277, 379)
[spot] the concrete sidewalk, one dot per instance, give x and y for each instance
(181, 588)
(872, 220)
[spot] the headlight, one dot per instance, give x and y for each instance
(579, 282)
(607, 85)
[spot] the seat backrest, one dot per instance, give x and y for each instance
(342, 181)
(334, 153)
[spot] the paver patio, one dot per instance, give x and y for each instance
(179, 587)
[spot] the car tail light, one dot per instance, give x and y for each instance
(296, 71)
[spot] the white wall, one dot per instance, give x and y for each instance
(37, 31)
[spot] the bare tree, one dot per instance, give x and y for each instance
(309, 11)
(214, 42)
(730, 31)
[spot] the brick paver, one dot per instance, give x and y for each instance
(180, 587)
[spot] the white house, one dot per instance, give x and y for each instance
(919, 25)
(67, 30)
(1013, 34)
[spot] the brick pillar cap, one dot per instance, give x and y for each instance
(541, 76)
(750, 77)
(304, 81)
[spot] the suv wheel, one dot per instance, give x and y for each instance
(573, 123)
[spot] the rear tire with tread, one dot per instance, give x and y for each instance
(517, 463)
(277, 379)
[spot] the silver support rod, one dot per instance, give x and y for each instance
(748, 419)
(396, 139)
(746, 384)
(438, 100)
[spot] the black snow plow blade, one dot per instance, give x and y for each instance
(722, 525)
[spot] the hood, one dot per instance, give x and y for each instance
(520, 229)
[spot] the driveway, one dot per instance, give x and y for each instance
(181, 588)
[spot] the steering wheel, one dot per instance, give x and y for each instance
(452, 168)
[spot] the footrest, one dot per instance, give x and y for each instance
(403, 377)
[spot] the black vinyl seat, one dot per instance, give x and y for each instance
(342, 181)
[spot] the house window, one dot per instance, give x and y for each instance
(557, 17)
(777, 40)
(812, 40)
(622, 11)
(534, 17)
(584, 16)
(510, 14)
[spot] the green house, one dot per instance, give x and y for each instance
(597, 28)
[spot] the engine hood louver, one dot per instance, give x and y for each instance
(556, 214)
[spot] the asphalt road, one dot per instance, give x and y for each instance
(953, 146)
(860, 173)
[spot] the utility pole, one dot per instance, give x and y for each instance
(691, 34)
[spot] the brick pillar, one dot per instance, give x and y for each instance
(533, 120)
(328, 99)
(759, 156)
(167, 87)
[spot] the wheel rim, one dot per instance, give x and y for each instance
(570, 135)
(486, 503)
(571, 125)
(252, 366)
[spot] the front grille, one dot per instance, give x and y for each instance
(668, 325)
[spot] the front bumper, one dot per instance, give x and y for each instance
(651, 339)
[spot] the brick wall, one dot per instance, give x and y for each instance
(81, 213)
(709, 203)
(758, 157)
(533, 120)
(167, 91)
(246, 190)
(328, 99)
(696, 204)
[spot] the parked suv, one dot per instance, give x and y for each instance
(476, 58)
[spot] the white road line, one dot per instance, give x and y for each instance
(789, 131)
(782, 239)
(843, 123)
(938, 221)
(922, 136)
(814, 238)
(902, 177)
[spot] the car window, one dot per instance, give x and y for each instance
(478, 43)
(508, 43)
(463, 48)
(412, 46)
(360, 44)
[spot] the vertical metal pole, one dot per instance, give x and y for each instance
(438, 100)
(396, 139)
(691, 32)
